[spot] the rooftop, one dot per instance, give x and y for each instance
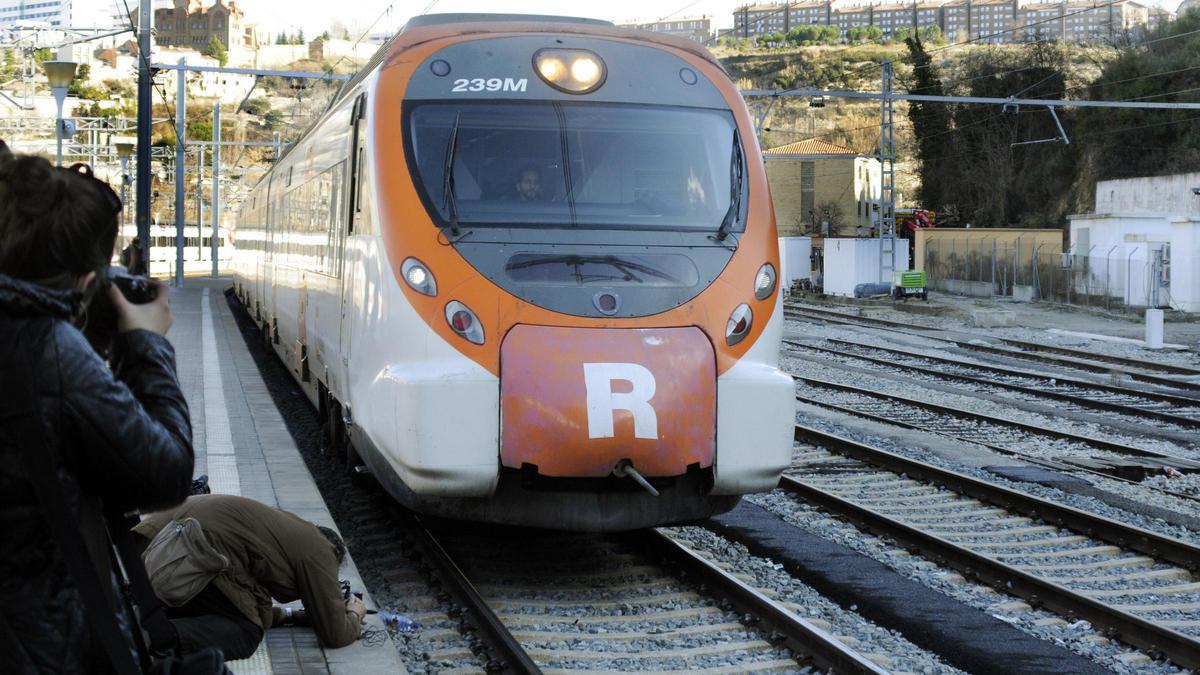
(810, 146)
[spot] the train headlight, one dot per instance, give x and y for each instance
(764, 282)
(738, 326)
(418, 277)
(574, 71)
(464, 322)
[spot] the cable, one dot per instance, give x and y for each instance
(687, 6)
(333, 68)
(1165, 93)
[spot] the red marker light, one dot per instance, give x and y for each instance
(464, 322)
(461, 321)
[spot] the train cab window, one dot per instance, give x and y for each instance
(579, 165)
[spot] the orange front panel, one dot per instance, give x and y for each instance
(575, 401)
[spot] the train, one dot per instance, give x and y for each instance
(525, 268)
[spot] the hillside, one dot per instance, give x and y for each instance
(965, 70)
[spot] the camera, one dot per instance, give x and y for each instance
(100, 327)
(137, 289)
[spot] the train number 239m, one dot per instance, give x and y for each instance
(490, 84)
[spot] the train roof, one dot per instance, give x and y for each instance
(477, 17)
(427, 27)
(421, 29)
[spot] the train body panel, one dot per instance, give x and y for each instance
(514, 360)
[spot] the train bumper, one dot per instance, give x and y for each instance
(756, 426)
(441, 418)
(575, 402)
(757, 404)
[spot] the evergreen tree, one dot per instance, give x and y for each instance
(931, 127)
(216, 50)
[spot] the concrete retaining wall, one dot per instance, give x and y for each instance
(978, 289)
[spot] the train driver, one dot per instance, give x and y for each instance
(529, 184)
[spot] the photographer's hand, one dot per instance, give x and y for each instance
(355, 605)
(153, 316)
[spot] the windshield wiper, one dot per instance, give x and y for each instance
(625, 267)
(449, 199)
(735, 188)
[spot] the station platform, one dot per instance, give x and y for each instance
(243, 445)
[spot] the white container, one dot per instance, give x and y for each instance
(1154, 328)
(850, 262)
(795, 260)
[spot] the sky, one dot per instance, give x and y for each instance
(317, 15)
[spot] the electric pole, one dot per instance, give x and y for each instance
(145, 116)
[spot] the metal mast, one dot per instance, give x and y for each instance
(145, 115)
(887, 192)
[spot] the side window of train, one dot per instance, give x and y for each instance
(357, 156)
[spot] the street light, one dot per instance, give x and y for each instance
(60, 74)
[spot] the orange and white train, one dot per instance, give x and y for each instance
(526, 268)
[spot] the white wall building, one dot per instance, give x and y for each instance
(1142, 243)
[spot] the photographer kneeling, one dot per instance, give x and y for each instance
(77, 438)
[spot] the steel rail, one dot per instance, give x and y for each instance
(991, 419)
(906, 329)
(1073, 362)
(799, 635)
(1067, 351)
(1031, 391)
(1032, 459)
(506, 648)
(1129, 628)
(1172, 399)
(1156, 545)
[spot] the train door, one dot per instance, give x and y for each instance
(351, 254)
(261, 285)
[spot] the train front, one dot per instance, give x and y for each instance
(581, 220)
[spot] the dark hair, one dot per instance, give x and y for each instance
(335, 540)
(56, 224)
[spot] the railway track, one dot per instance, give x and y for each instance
(1137, 586)
(525, 601)
(1140, 370)
(1180, 411)
(998, 433)
(572, 602)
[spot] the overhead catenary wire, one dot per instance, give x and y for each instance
(368, 29)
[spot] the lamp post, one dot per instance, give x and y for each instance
(60, 74)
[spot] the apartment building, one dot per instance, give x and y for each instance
(53, 12)
(981, 21)
(754, 20)
(693, 28)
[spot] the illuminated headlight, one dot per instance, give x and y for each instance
(738, 326)
(575, 71)
(764, 282)
(418, 277)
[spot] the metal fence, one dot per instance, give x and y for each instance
(1118, 278)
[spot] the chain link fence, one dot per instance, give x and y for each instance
(1119, 278)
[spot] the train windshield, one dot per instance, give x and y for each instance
(581, 165)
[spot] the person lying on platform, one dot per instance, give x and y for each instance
(232, 555)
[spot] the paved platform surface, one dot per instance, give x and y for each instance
(241, 442)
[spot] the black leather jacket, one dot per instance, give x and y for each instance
(119, 435)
